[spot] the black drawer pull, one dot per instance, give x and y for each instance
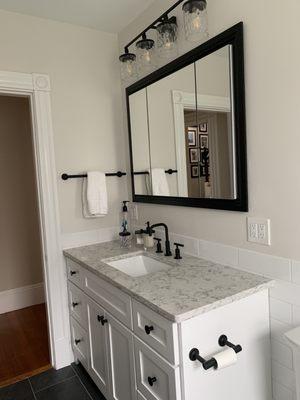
(77, 341)
(149, 329)
(74, 304)
(102, 319)
(73, 273)
(151, 381)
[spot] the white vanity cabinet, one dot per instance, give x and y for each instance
(133, 353)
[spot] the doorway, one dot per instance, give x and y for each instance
(24, 344)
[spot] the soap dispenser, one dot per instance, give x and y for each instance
(125, 235)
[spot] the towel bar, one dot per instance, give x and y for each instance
(65, 177)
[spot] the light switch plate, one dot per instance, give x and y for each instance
(259, 230)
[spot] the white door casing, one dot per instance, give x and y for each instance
(37, 88)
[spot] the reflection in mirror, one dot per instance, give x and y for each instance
(140, 142)
(214, 122)
(161, 128)
(206, 166)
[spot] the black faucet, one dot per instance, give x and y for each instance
(168, 252)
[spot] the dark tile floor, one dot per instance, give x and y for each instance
(70, 383)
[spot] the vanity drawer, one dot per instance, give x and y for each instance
(111, 298)
(156, 379)
(75, 273)
(77, 304)
(158, 332)
(80, 343)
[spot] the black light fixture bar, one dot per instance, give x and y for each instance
(151, 26)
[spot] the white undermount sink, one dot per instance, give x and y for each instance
(138, 265)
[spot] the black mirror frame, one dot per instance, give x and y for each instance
(233, 36)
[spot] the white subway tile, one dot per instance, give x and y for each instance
(283, 375)
(286, 291)
(282, 354)
(296, 315)
(264, 264)
(280, 392)
(281, 310)
(191, 245)
(218, 253)
(296, 272)
(278, 329)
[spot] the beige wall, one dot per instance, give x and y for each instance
(272, 65)
(86, 103)
(20, 248)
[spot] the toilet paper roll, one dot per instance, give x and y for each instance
(225, 358)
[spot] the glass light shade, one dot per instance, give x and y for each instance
(195, 20)
(128, 67)
(145, 55)
(167, 34)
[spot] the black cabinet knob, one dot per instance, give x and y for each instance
(151, 381)
(149, 329)
(73, 273)
(74, 304)
(77, 341)
(102, 319)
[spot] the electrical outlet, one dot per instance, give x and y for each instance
(259, 230)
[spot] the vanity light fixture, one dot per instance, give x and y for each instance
(145, 54)
(128, 66)
(195, 23)
(195, 19)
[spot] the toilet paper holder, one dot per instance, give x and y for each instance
(212, 363)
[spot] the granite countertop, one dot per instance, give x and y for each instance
(190, 286)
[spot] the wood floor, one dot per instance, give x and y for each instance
(24, 348)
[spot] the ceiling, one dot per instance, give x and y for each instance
(105, 15)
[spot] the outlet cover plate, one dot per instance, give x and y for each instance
(259, 230)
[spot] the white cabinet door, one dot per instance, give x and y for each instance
(121, 358)
(99, 366)
(245, 322)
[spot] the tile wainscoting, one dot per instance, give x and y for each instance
(284, 297)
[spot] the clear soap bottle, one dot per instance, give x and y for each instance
(125, 235)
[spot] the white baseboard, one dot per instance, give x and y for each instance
(85, 238)
(15, 299)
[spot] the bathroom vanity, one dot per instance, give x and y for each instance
(134, 331)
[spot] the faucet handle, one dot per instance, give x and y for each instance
(158, 245)
(177, 251)
(149, 230)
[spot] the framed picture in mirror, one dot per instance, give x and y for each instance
(203, 127)
(194, 155)
(192, 135)
(195, 171)
(203, 141)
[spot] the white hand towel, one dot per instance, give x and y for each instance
(94, 195)
(160, 186)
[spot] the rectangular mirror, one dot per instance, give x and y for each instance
(187, 128)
